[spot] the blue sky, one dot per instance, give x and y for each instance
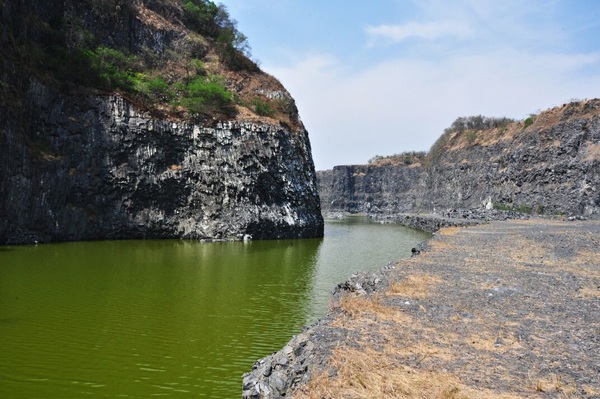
(386, 76)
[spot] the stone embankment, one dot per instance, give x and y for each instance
(500, 310)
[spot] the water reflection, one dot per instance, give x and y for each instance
(170, 318)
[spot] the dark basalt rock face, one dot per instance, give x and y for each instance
(97, 168)
(549, 168)
(81, 164)
(383, 189)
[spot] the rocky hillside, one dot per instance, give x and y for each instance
(547, 164)
(146, 118)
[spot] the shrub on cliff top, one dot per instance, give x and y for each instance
(262, 107)
(469, 124)
(404, 158)
(207, 95)
(62, 49)
(214, 21)
(529, 121)
(478, 122)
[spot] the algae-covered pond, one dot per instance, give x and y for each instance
(171, 318)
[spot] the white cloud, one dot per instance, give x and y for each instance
(513, 59)
(428, 31)
(404, 104)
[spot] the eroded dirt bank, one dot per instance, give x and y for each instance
(500, 310)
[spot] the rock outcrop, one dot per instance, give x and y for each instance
(370, 189)
(97, 168)
(550, 167)
(81, 164)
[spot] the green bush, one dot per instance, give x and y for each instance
(521, 208)
(112, 68)
(198, 66)
(503, 207)
(471, 136)
(207, 95)
(262, 107)
(201, 16)
(159, 90)
(525, 209)
(214, 21)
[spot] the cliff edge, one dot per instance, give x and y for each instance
(145, 119)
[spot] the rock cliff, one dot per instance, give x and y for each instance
(79, 163)
(548, 164)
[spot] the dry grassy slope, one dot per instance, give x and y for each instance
(541, 125)
(152, 30)
(246, 84)
(550, 167)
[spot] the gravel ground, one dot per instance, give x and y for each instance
(521, 301)
(506, 308)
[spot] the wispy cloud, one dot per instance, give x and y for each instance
(405, 104)
(459, 58)
(428, 31)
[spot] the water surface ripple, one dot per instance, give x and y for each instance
(171, 318)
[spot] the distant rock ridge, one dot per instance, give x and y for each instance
(549, 165)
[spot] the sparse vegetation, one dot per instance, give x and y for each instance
(157, 89)
(403, 158)
(527, 209)
(503, 207)
(262, 107)
(206, 95)
(214, 21)
(66, 54)
(478, 122)
(469, 126)
(529, 121)
(471, 135)
(108, 68)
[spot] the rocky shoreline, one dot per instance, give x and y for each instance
(432, 222)
(276, 375)
(306, 355)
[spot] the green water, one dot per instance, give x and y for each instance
(180, 319)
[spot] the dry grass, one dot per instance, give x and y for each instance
(379, 369)
(401, 350)
(589, 293)
(554, 384)
(591, 391)
(449, 231)
(362, 374)
(488, 343)
(592, 153)
(414, 286)
(356, 307)
(582, 263)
